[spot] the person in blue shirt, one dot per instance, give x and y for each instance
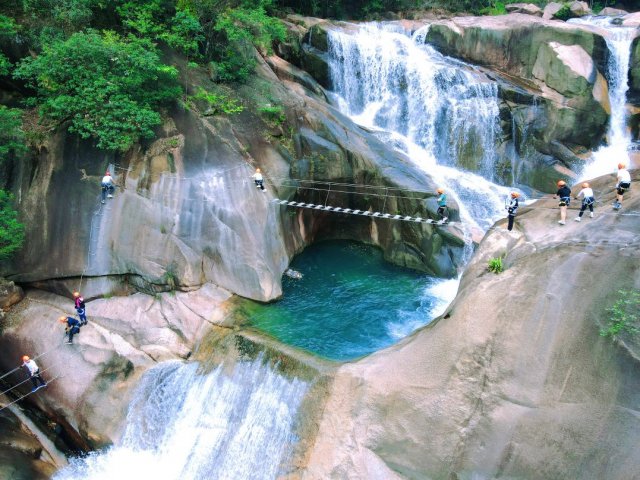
(512, 208)
(72, 328)
(442, 205)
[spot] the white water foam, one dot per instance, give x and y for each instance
(183, 424)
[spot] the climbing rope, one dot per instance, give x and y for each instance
(30, 393)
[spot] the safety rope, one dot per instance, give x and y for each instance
(34, 358)
(25, 380)
(30, 393)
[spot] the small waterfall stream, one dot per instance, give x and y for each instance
(619, 40)
(185, 424)
(439, 111)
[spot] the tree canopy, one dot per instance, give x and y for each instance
(11, 230)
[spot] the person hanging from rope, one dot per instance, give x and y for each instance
(588, 200)
(34, 373)
(623, 183)
(564, 194)
(72, 328)
(259, 179)
(442, 211)
(512, 208)
(80, 308)
(107, 186)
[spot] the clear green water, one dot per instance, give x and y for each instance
(350, 302)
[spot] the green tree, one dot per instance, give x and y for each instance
(11, 230)
(107, 87)
(8, 28)
(11, 134)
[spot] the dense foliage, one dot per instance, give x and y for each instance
(11, 230)
(11, 134)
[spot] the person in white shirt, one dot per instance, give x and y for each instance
(107, 186)
(257, 177)
(34, 372)
(588, 200)
(624, 182)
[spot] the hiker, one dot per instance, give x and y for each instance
(623, 183)
(34, 372)
(442, 205)
(512, 208)
(72, 328)
(564, 194)
(587, 201)
(257, 177)
(80, 308)
(107, 186)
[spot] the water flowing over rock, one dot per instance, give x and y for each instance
(514, 380)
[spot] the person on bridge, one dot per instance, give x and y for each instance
(72, 328)
(564, 194)
(107, 186)
(512, 208)
(80, 308)
(259, 179)
(34, 372)
(587, 201)
(442, 205)
(623, 183)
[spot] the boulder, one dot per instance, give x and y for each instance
(10, 294)
(631, 20)
(550, 10)
(526, 8)
(580, 9)
(612, 12)
(517, 386)
(634, 71)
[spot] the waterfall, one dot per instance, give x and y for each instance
(439, 111)
(184, 424)
(619, 40)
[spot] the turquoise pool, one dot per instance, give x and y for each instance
(350, 302)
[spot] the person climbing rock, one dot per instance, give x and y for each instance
(512, 208)
(587, 200)
(257, 177)
(442, 205)
(623, 183)
(34, 372)
(107, 186)
(72, 328)
(564, 194)
(80, 308)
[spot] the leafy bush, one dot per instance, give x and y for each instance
(107, 87)
(218, 103)
(564, 13)
(495, 265)
(11, 231)
(498, 8)
(12, 140)
(624, 316)
(273, 113)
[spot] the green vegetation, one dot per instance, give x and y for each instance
(218, 103)
(564, 13)
(624, 315)
(273, 113)
(12, 141)
(495, 265)
(11, 230)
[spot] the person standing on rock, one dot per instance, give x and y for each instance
(107, 186)
(442, 205)
(564, 194)
(587, 200)
(72, 328)
(34, 373)
(623, 183)
(80, 308)
(257, 177)
(512, 208)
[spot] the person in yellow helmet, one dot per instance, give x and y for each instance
(442, 205)
(258, 179)
(588, 200)
(623, 183)
(72, 328)
(34, 372)
(512, 208)
(564, 194)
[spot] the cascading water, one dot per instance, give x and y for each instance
(619, 40)
(184, 424)
(439, 111)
